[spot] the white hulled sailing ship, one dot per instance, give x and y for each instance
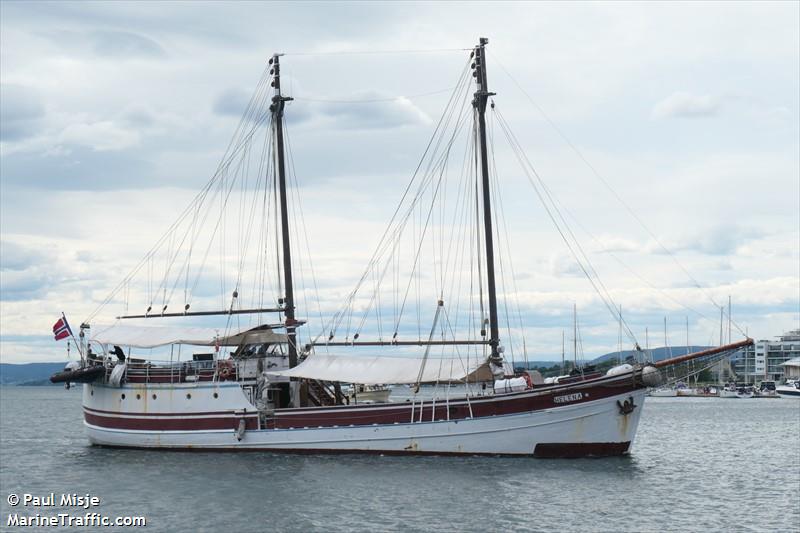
(249, 383)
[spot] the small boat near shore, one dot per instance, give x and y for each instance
(361, 393)
(731, 390)
(766, 389)
(790, 389)
(699, 392)
(663, 393)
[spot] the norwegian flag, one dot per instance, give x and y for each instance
(61, 329)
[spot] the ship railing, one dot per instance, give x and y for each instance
(170, 371)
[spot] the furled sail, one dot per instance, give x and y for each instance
(376, 370)
(154, 336)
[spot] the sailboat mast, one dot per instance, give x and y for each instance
(479, 103)
(278, 103)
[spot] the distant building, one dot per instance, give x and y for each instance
(792, 367)
(765, 359)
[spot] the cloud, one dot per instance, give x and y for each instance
(563, 264)
(101, 136)
(686, 105)
(15, 257)
(232, 102)
(720, 240)
(21, 112)
(124, 44)
(138, 116)
(78, 168)
(372, 110)
(610, 243)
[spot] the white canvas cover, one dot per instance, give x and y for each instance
(387, 370)
(154, 336)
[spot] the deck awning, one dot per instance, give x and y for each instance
(388, 370)
(155, 336)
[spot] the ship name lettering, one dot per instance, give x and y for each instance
(568, 398)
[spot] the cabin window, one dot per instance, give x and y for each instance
(188, 396)
(154, 396)
(216, 395)
(138, 396)
(123, 396)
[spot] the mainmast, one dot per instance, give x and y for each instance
(479, 103)
(278, 103)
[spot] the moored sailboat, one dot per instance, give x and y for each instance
(271, 392)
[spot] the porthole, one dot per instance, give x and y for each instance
(188, 396)
(216, 395)
(138, 396)
(123, 396)
(91, 393)
(154, 396)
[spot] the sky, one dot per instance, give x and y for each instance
(114, 114)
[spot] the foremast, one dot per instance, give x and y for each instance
(277, 107)
(479, 103)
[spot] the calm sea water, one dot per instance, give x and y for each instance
(697, 465)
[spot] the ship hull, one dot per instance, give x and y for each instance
(591, 427)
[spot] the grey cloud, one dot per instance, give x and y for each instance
(565, 265)
(21, 111)
(17, 257)
(307, 23)
(24, 276)
(138, 117)
(371, 110)
(232, 102)
(722, 240)
(125, 44)
(77, 169)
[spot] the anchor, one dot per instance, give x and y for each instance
(627, 406)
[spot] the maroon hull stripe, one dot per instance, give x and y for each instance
(172, 424)
(192, 413)
(571, 450)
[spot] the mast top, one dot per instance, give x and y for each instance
(279, 98)
(479, 73)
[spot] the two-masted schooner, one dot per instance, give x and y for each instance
(249, 383)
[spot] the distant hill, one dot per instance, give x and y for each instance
(28, 373)
(536, 364)
(656, 353)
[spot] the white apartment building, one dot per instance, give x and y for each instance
(764, 360)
